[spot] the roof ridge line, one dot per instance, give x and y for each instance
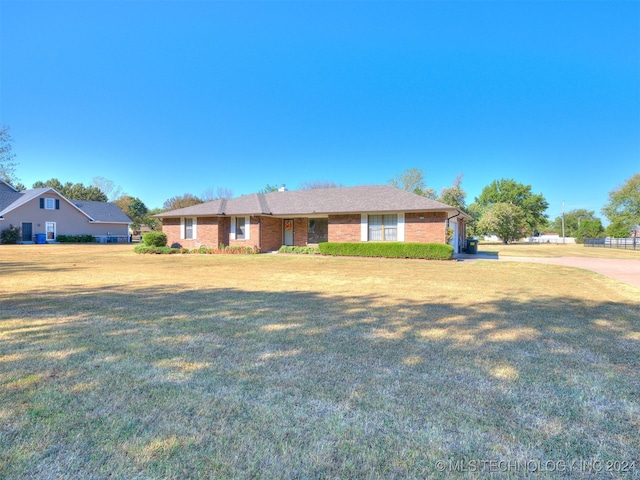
(223, 205)
(263, 203)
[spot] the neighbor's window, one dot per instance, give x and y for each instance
(50, 203)
(240, 228)
(318, 230)
(188, 228)
(383, 228)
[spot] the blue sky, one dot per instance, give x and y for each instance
(167, 97)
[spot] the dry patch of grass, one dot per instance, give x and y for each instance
(113, 364)
(556, 250)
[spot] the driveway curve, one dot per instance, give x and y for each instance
(624, 270)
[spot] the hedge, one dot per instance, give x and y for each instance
(75, 239)
(429, 251)
(157, 250)
(302, 250)
(222, 250)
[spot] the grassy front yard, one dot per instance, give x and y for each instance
(124, 366)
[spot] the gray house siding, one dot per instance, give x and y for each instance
(65, 218)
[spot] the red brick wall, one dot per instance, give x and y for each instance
(271, 231)
(266, 232)
(300, 232)
(429, 229)
(224, 228)
(207, 230)
(344, 228)
(171, 228)
(254, 234)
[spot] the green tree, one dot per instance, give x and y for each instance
(268, 189)
(590, 228)
(573, 221)
(7, 163)
(509, 191)
(151, 222)
(623, 209)
(73, 191)
(476, 211)
(135, 209)
(454, 195)
(181, 201)
(315, 184)
(505, 220)
(412, 180)
(618, 229)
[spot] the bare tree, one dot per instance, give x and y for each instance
(7, 165)
(220, 192)
(412, 180)
(454, 195)
(108, 187)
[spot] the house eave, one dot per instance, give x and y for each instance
(110, 223)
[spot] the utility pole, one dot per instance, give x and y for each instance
(563, 221)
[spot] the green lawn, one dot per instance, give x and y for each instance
(116, 365)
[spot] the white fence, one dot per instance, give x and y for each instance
(550, 239)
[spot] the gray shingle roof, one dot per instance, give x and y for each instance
(102, 211)
(323, 201)
(9, 200)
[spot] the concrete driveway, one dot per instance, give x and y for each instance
(624, 270)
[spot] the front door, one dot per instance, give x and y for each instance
(27, 232)
(288, 232)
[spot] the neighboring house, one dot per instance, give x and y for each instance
(378, 213)
(45, 211)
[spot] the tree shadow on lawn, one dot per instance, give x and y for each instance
(234, 382)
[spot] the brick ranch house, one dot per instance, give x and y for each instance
(378, 213)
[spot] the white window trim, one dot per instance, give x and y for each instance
(46, 231)
(247, 228)
(46, 203)
(183, 228)
(364, 225)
